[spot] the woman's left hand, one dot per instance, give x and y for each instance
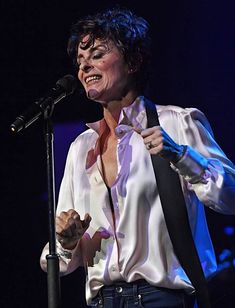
(157, 141)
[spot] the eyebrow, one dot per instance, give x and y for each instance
(92, 49)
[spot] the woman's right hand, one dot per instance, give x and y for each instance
(70, 228)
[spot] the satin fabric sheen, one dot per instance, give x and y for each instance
(137, 244)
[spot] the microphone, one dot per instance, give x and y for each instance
(63, 88)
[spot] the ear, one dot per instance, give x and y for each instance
(132, 70)
(135, 65)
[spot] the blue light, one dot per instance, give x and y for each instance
(229, 230)
(223, 265)
(226, 253)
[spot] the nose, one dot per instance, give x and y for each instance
(85, 66)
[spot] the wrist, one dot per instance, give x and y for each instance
(179, 154)
(68, 243)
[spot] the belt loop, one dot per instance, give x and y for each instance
(101, 298)
(137, 295)
(135, 289)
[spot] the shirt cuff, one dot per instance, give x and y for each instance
(192, 166)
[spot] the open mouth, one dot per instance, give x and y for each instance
(92, 78)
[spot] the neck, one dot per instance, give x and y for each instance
(113, 109)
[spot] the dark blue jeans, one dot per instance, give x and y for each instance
(141, 294)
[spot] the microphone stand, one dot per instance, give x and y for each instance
(64, 87)
(53, 278)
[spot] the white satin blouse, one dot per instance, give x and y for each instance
(135, 243)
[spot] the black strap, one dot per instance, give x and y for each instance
(176, 217)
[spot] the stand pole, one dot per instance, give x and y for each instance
(53, 278)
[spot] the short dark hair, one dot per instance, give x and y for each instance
(129, 33)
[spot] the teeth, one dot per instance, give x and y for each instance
(88, 79)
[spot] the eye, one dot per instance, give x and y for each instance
(97, 55)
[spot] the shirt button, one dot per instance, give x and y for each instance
(120, 131)
(119, 289)
(113, 268)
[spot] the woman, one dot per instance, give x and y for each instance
(109, 214)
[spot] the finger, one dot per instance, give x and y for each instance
(155, 144)
(137, 130)
(66, 233)
(156, 149)
(149, 131)
(59, 226)
(76, 216)
(78, 225)
(64, 227)
(86, 221)
(65, 215)
(72, 226)
(155, 138)
(72, 212)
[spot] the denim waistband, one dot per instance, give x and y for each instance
(126, 288)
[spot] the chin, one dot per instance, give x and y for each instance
(95, 95)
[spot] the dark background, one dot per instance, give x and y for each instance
(193, 66)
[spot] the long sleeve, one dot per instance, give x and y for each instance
(69, 260)
(205, 167)
(137, 245)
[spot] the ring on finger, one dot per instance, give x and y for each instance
(149, 145)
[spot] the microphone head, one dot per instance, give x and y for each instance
(69, 83)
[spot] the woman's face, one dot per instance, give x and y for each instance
(102, 71)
